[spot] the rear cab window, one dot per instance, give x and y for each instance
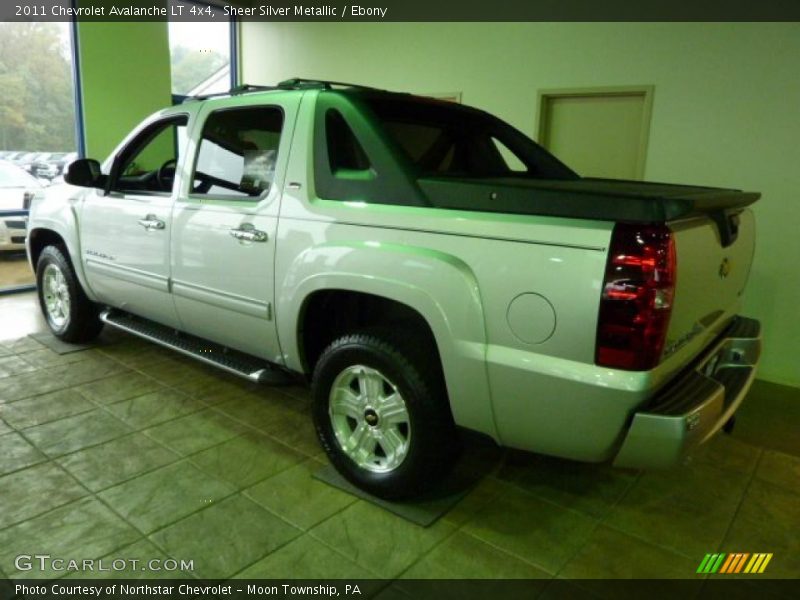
(442, 139)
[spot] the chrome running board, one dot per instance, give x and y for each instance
(232, 361)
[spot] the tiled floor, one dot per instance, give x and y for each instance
(14, 269)
(129, 451)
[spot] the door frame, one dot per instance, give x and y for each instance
(647, 91)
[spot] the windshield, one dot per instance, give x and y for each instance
(12, 176)
(444, 139)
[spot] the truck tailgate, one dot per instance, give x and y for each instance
(714, 255)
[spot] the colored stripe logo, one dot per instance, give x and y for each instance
(735, 562)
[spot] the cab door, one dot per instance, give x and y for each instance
(223, 242)
(125, 234)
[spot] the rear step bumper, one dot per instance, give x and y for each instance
(697, 404)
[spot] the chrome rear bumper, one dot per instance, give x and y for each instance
(697, 404)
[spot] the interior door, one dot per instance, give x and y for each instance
(598, 132)
(125, 234)
(223, 244)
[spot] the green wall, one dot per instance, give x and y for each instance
(726, 107)
(125, 76)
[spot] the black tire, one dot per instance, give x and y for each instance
(432, 444)
(80, 321)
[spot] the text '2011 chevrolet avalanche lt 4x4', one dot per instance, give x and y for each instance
(424, 264)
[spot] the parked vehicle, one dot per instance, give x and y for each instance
(26, 160)
(381, 246)
(50, 165)
(17, 189)
(11, 155)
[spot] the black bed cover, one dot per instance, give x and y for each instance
(584, 198)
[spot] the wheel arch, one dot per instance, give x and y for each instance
(437, 292)
(41, 237)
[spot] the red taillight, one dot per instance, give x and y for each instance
(638, 291)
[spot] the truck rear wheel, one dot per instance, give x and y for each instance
(71, 316)
(382, 416)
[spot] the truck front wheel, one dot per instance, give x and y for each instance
(381, 414)
(71, 316)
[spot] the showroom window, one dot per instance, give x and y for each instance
(37, 131)
(202, 54)
(238, 152)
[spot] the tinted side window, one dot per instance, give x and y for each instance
(353, 160)
(147, 164)
(238, 152)
(344, 151)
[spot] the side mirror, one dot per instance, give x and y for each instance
(84, 172)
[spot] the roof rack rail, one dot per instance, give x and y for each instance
(234, 91)
(295, 83)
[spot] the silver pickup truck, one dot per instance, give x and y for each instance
(423, 264)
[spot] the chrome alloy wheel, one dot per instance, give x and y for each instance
(369, 418)
(56, 295)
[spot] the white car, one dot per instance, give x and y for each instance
(17, 188)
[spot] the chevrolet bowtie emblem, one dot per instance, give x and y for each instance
(724, 268)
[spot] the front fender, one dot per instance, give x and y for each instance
(57, 211)
(439, 286)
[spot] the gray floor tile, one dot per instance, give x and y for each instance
(297, 497)
(726, 452)
(219, 388)
(23, 344)
(532, 529)
(137, 353)
(116, 461)
(45, 408)
(463, 556)
(75, 433)
(197, 431)
(610, 554)
(83, 529)
(45, 358)
(154, 408)
(482, 494)
(176, 370)
(119, 387)
(377, 540)
(247, 459)
(686, 509)
(143, 560)
(243, 533)
(296, 430)
(165, 496)
(57, 378)
(25, 494)
(768, 521)
(305, 558)
(258, 411)
(14, 365)
(769, 416)
(589, 488)
(780, 469)
(16, 453)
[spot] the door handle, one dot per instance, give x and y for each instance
(248, 234)
(151, 222)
